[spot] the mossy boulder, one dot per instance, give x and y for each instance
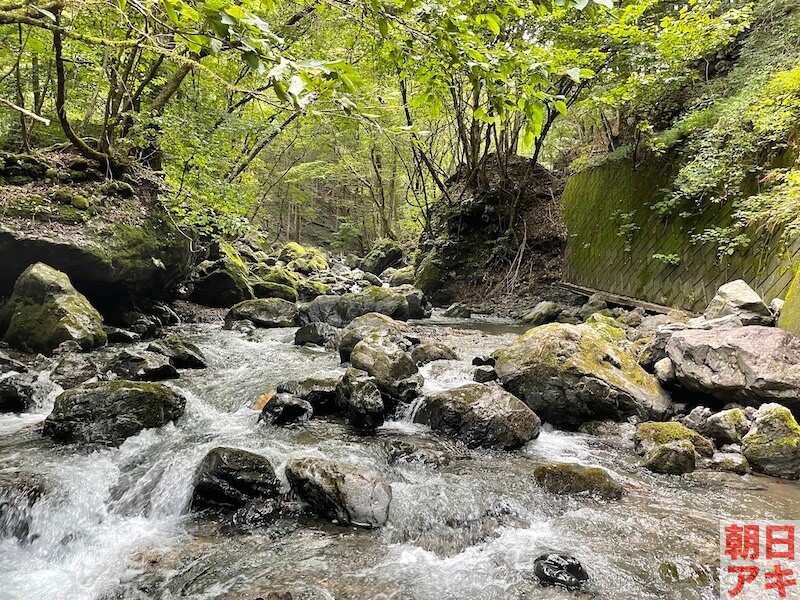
(109, 412)
(772, 446)
(268, 289)
(651, 434)
(264, 312)
(385, 253)
(673, 458)
(46, 310)
(291, 251)
(544, 312)
(222, 283)
(308, 289)
(727, 426)
(429, 276)
(361, 327)
(480, 416)
(182, 354)
(607, 327)
(571, 374)
(385, 358)
(281, 276)
(403, 276)
(570, 478)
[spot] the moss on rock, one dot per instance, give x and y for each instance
(772, 446)
(569, 478)
(268, 289)
(46, 310)
(654, 434)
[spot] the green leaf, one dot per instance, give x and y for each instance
(251, 60)
(493, 23)
(170, 10)
(560, 106)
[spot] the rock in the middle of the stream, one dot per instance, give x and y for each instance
(109, 412)
(341, 492)
(480, 416)
(571, 374)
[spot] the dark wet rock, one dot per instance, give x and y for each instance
(140, 366)
(696, 419)
(480, 416)
(568, 478)
(673, 458)
(361, 327)
(570, 374)
(19, 491)
(544, 312)
(416, 449)
(358, 396)
(230, 477)
(458, 311)
(121, 336)
(255, 515)
(385, 253)
(222, 283)
(484, 374)
(340, 492)
(751, 365)
(283, 409)
(385, 359)
(318, 334)
(430, 351)
(727, 426)
(46, 310)
(560, 570)
(404, 276)
(109, 412)
(772, 446)
(319, 391)
(740, 300)
(341, 310)
(483, 361)
(16, 394)
(652, 434)
(265, 312)
(372, 279)
(8, 364)
(418, 305)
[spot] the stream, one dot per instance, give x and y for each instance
(117, 523)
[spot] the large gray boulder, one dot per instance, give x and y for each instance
(230, 478)
(570, 478)
(386, 359)
(673, 458)
(46, 310)
(571, 374)
(109, 412)
(341, 310)
(340, 492)
(772, 446)
(544, 312)
(221, 283)
(750, 365)
(140, 365)
(740, 300)
(480, 416)
(181, 354)
(264, 312)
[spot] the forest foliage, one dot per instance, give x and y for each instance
(351, 119)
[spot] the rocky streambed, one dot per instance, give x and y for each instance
(94, 521)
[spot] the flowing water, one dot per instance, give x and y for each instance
(115, 523)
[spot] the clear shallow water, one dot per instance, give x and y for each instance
(116, 524)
